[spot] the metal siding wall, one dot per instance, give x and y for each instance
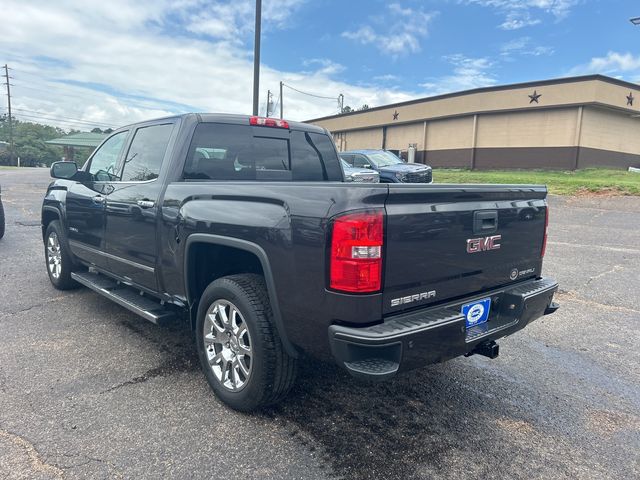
(358, 139)
(610, 130)
(400, 136)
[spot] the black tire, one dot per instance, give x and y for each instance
(1, 219)
(273, 371)
(63, 280)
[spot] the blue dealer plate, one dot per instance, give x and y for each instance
(476, 313)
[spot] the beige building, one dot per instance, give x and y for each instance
(566, 123)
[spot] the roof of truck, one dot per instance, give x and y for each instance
(232, 119)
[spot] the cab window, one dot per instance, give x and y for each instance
(104, 161)
(146, 153)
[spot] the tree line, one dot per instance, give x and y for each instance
(29, 143)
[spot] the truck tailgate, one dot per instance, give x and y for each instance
(449, 241)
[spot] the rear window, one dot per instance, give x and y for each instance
(239, 152)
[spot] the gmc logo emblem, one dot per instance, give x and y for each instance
(475, 245)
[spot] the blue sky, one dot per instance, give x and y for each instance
(111, 63)
(493, 43)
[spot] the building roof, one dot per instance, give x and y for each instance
(84, 139)
(591, 90)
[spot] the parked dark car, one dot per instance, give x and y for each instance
(391, 168)
(359, 175)
(2, 224)
(244, 227)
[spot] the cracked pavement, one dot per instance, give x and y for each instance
(88, 390)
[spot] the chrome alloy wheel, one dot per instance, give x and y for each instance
(227, 345)
(54, 255)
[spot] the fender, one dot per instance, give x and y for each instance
(55, 201)
(58, 212)
(266, 268)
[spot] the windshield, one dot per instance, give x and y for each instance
(384, 159)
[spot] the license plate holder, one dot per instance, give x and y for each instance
(476, 313)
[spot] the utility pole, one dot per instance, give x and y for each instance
(256, 58)
(6, 76)
(281, 102)
(341, 102)
(269, 95)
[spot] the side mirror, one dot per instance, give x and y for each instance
(64, 170)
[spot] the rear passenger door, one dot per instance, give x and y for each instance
(132, 206)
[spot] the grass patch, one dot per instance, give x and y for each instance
(590, 180)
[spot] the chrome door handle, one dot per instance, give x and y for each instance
(99, 199)
(146, 203)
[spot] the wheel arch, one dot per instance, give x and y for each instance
(251, 252)
(49, 214)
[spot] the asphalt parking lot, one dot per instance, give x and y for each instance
(89, 390)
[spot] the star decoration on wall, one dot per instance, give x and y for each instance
(630, 99)
(395, 115)
(535, 97)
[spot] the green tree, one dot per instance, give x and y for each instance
(29, 143)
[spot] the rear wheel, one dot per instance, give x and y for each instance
(239, 348)
(58, 257)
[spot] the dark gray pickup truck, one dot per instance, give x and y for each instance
(244, 227)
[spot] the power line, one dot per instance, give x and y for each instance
(58, 85)
(140, 104)
(62, 117)
(310, 94)
(75, 123)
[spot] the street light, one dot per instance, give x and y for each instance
(635, 20)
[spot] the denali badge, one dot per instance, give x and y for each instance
(413, 298)
(515, 273)
(475, 245)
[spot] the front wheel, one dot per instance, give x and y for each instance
(58, 257)
(239, 347)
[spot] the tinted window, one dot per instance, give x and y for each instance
(146, 153)
(384, 159)
(104, 160)
(238, 152)
(347, 158)
(310, 152)
(361, 162)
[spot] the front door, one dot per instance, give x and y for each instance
(86, 200)
(132, 207)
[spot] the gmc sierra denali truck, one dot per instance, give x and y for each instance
(244, 227)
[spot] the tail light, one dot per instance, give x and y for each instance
(268, 122)
(356, 252)
(546, 231)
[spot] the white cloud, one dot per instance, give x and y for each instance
(468, 73)
(522, 13)
(518, 20)
(386, 78)
(613, 63)
(523, 46)
(324, 66)
(120, 62)
(398, 33)
(231, 20)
